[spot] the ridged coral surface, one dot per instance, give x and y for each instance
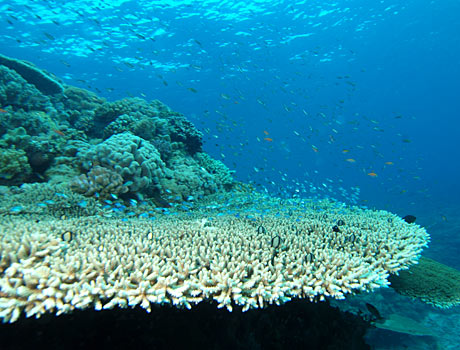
(251, 251)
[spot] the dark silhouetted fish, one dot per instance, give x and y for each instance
(373, 310)
(409, 219)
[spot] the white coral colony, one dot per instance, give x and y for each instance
(253, 257)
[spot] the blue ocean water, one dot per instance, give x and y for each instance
(357, 100)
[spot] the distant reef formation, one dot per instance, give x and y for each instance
(56, 133)
(113, 205)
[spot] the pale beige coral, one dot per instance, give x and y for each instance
(101, 180)
(183, 259)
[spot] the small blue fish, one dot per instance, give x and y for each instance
(63, 195)
(114, 196)
(16, 209)
(49, 201)
(133, 202)
(108, 201)
(82, 204)
(42, 205)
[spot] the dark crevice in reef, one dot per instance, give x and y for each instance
(295, 325)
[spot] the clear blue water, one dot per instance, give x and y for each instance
(301, 97)
(376, 78)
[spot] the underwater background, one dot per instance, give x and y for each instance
(352, 100)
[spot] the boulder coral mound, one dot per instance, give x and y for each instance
(250, 252)
(431, 282)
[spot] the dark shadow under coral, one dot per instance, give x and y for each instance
(295, 325)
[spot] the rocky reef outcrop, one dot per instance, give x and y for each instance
(53, 132)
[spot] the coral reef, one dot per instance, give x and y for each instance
(76, 107)
(16, 92)
(217, 168)
(39, 200)
(136, 160)
(431, 282)
(101, 181)
(111, 204)
(37, 154)
(249, 257)
(188, 179)
(42, 80)
(183, 131)
(14, 167)
(57, 130)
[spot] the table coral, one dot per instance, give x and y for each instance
(251, 253)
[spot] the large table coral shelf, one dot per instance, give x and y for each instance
(247, 250)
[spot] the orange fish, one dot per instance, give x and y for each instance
(314, 148)
(3, 111)
(59, 132)
(350, 160)
(345, 151)
(389, 163)
(372, 174)
(269, 139)
(265, 132)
